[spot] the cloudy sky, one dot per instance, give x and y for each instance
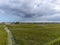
(29, 10)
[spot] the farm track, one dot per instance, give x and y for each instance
(11, 40)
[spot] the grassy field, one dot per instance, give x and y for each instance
(3, 36)
(36, 34)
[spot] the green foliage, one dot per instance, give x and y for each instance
(17, 23)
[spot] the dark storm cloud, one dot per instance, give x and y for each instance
(15, 11)
(33, 10)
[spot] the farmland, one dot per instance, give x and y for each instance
(36, 34)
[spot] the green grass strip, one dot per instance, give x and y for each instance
(53, 41)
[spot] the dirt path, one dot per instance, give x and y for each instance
(10, 36)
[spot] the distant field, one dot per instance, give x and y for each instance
(3, 36)
(36, 34)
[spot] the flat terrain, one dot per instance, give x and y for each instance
(3, 36)
(36, 34)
